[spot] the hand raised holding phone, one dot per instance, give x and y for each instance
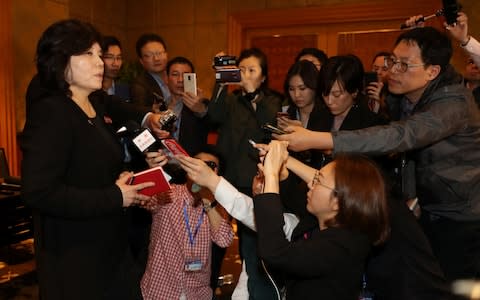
(190, 83)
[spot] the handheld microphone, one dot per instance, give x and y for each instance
(142, 138)
(438, 13)
(450, 11)
(128, 129)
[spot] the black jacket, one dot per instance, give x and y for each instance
(327, 265)
(236, 122)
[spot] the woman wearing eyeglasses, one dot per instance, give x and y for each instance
(347, 196)
(185, 222)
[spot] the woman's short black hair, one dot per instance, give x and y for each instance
(346, 69)
(262, 58)
(58, 43)
(309, 74)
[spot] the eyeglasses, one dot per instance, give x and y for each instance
(316, 181)
(399, 66)
(112, 57)
(211, 164)
(150, 55)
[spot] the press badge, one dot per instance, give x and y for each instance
(193, 266)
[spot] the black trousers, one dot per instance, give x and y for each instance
(456, 245)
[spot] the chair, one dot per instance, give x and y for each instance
(5, 170)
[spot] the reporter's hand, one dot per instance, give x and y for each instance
(195, 103)
(130, 193)
(284, 122)
(156, 159)
(262, 151)
(459, 30)
(298, 138)
(410, 22)
(198, 171)
(374, 89)
(275, 159)
(153, 123)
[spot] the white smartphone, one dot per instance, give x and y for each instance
(190, 83)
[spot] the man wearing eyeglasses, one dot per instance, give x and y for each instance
(112, 62)
(149, 88)
(438, 123)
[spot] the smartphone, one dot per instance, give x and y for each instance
(450, 11)
(190, 83)
(370, 77)
(281, 114)
(273, 129)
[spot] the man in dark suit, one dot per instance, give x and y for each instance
(112, 62)
(191, 126)
(149, 89)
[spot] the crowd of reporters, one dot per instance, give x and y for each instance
(317, 218)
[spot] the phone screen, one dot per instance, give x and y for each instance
(190, 83)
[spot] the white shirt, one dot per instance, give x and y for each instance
(240, 206)
(473, 49)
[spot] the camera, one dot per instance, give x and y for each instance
(450, 11)
(224, 61)
(167, 120)
(228, 75)
(226, 69)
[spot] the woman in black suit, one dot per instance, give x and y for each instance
(70, 171)
(348, 199)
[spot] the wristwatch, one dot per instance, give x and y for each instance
(208, 205)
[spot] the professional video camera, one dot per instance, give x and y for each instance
(226, 69)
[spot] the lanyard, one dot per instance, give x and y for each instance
(191, 236)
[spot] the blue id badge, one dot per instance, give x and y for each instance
(193, 265)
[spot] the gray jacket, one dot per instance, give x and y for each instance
(442, 135)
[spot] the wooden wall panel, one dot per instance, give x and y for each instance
(327, 20)
(8, 131)
(366, 44)
(281, 52)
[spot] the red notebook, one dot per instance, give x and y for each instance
(156, 175)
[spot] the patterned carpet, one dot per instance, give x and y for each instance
(17, 272)
(18, 278)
